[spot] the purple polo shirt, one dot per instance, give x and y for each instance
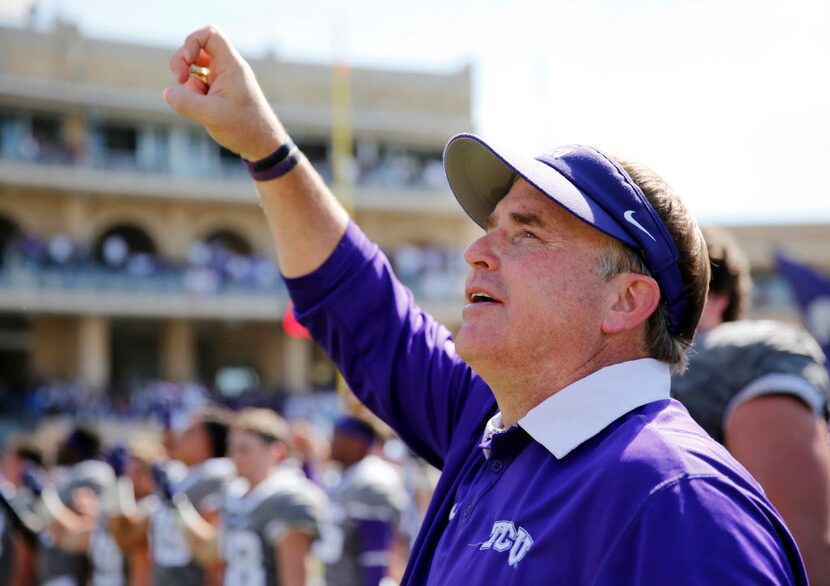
(606, 482)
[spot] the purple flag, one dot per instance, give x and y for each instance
(812, 292)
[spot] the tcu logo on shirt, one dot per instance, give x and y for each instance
(504, 536)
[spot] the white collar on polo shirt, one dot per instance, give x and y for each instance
(581, 410)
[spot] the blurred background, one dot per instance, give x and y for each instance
(136, 267)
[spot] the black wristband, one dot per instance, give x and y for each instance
(277, 164)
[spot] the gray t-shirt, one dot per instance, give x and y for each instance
(173, 563)
(252, 523)
(371, 490)
(740, 360)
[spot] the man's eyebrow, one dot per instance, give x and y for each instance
(528, 219)
(521, 218)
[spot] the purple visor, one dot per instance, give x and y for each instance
(584, 181)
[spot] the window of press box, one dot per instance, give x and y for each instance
(120, 138)
(46, 129)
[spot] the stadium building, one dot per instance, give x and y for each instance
(133, 247)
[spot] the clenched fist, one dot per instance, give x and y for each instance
(230, 106)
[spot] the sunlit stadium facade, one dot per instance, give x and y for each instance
(134, 248)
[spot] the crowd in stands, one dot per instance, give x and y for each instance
(395, 170)
(210, 266)
(145, 401)
(41, 142)
(431, 271)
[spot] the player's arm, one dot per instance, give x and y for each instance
(785, 447)
(70, 530)
(25, 562)
(126, 522)
(130, 531)
(139, 565)
(292, 550)
(294, 525)
(200, 529)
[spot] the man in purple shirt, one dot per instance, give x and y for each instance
(564, 461)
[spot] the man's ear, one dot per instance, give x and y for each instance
(634, 297)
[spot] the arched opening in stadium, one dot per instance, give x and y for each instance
(121, 244)
(231, 241)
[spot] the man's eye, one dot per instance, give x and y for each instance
(528, 234)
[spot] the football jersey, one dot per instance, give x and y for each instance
(370, 491)
(56, 567)
(173, 563)
(740, 360)
(253, 521)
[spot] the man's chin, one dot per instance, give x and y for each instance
(471, 346)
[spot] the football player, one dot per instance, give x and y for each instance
(270, 515)
(366, 508)
(760, 388)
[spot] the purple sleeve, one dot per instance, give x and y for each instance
(375, 549)
(396, 358)
(723, 537)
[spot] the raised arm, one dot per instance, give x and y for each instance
(396, 358)
(201, 532)
(305, 218)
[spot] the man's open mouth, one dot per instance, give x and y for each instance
(481, 298)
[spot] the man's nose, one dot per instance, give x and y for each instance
(481, 253)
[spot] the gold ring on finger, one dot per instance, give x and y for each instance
(200, 73)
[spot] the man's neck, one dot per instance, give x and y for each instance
(519, 391)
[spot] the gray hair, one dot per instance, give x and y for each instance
(616, 258)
